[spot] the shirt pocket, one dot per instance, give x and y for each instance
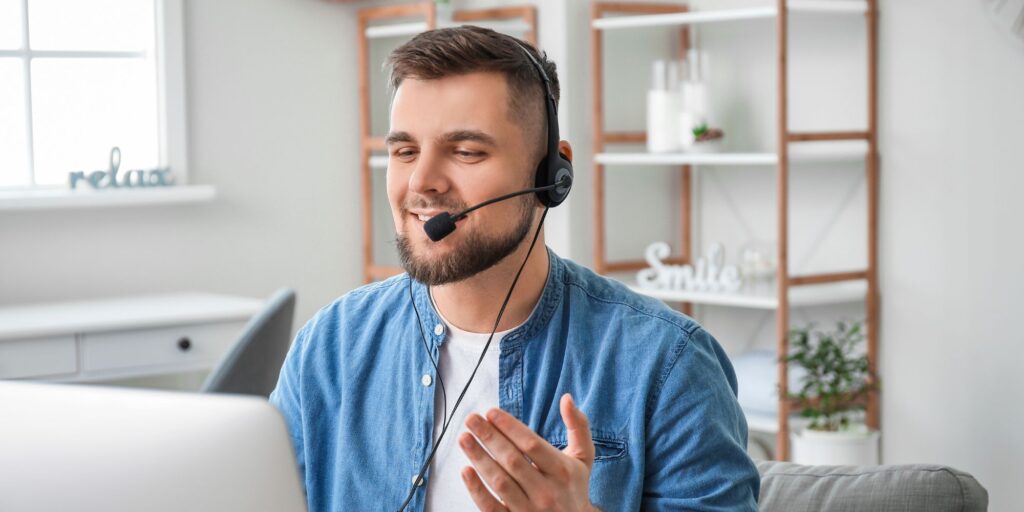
(607, 447)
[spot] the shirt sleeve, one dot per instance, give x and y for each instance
(697, 435)
(287, 396)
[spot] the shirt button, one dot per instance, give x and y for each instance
(438, 329)
(418, 482)
(427, 379)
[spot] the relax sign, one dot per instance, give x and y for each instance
(130, 179)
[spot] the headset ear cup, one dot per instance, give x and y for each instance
(551, 173)
(560, 169)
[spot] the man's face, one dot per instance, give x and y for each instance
(452, 144)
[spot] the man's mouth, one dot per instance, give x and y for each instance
(424, 215)
(420, 217)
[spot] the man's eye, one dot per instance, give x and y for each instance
(469, 154)
(404, 154)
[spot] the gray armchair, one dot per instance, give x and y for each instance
(252, 364)
(905, 488)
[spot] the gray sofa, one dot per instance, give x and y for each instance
(919, 487)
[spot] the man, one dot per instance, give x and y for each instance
(587, 397)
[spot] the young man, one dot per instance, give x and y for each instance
(588, 397)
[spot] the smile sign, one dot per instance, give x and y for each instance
(709, 274)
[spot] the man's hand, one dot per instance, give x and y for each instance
(555, 480)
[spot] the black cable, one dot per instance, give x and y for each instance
(564, 181)
(497, 321)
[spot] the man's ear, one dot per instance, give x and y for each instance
(565, 149)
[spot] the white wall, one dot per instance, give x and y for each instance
(272, 111)
(952, 105)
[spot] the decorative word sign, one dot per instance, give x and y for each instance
(131, 179)
(708, 275)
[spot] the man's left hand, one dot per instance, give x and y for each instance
(525, 471)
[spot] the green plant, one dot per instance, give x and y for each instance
(838, 376)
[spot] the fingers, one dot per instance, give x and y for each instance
(508, 456)
(497, 478)
(579, 442)
(481, 496)
(547, 458)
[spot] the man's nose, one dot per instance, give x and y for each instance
(430, 175)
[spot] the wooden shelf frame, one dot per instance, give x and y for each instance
(370, 143)
(788, 292)
(602, 138)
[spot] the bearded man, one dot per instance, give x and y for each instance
(572, 392)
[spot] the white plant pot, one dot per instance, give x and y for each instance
(851, 447)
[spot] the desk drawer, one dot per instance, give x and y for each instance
(199, 345)
(39, 357)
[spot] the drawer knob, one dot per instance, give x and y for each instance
(184, 344)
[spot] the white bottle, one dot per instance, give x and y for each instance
(662, 105)
(693, 111)
(684, 117)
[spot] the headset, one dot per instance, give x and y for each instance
(552, 183)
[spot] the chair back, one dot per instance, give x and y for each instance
(252, 365)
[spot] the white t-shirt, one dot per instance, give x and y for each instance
(458, 355)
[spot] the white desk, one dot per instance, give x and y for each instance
(118, 338)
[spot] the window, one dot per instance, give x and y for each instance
(80, 77)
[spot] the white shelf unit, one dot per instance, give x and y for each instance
(53, 199)
(818, 147)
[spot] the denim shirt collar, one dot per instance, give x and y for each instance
(434, 328)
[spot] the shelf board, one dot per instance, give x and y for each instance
(396, 30)
(761, 422)
(733, 14)
(52, 199)
(411, 29)
(840, 151)
(686, 158)
(378, 162)
(759, 298)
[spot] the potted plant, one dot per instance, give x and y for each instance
(836, 381)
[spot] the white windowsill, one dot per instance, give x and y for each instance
(54, 199)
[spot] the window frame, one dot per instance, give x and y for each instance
(172, 140)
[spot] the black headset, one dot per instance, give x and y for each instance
(555, 166)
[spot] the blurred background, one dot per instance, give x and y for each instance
(254, 110)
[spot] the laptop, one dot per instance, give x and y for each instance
(92, 448)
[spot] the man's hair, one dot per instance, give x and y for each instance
(467, 49)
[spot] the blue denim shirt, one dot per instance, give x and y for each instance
(658, 390)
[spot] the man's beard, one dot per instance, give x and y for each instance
(472, 255)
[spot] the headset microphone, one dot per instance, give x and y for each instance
(442, 224)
